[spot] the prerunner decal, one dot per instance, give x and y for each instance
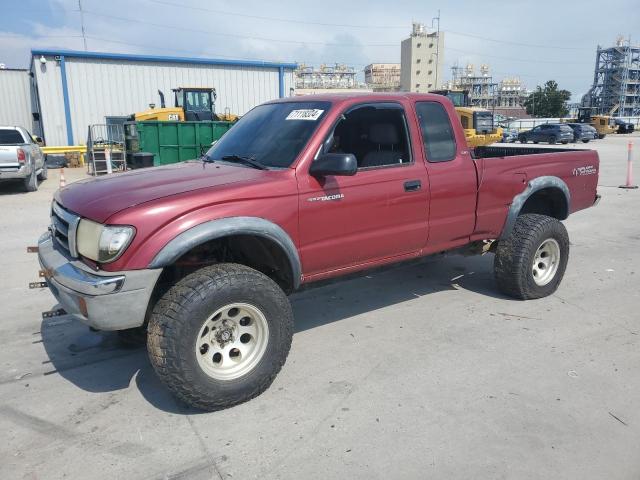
(587, 170)
(305, 114)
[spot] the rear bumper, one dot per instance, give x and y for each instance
(106, 301)
(9, 173)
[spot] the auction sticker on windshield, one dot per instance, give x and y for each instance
(305, 114)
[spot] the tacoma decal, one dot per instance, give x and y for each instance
(326, 198)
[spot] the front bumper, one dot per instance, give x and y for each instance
(15, 173)
(103, 300)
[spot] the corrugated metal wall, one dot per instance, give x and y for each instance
(15, 98)
(106, 87)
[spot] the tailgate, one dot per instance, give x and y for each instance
(9, 157)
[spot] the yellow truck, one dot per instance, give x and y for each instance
(604, 124)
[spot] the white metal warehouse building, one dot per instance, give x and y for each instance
(15, 98)
(72, 90)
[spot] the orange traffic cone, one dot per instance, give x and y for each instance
(63, 182)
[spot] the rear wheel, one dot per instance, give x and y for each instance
(220, 336)
(522, 139)
(531, 261)
(585, 141)
(601, 136)
(31, 182)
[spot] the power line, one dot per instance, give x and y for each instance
(514, 59)
(272, 19)
(243, 37)
(519, 44)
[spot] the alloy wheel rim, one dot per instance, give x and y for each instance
(232, 341)
(545, 262)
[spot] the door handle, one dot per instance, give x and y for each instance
(412, 185)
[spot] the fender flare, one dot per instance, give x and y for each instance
(534, 185)
(223, 227)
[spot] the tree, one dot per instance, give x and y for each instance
(548, 101)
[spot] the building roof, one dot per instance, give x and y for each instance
(162, 59)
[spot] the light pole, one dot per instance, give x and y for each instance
(437, 45)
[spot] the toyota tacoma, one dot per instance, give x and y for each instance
(202, 255)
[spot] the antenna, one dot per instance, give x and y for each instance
(84, 39)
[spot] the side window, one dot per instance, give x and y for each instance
(376, 135)
(437, 133)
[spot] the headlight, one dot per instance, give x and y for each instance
(102, 243)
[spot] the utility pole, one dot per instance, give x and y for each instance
(84, 39)
(437, 46)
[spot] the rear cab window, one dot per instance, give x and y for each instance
(437, 132)
(11, 137)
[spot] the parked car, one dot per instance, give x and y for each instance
(582, 132)
(21, 158)
(509, 135)
(549, 132)
(203, 254)
(623, 126)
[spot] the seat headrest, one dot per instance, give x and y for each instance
(383, 133)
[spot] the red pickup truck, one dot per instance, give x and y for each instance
(202, 254)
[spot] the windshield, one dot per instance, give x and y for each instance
(272, 134)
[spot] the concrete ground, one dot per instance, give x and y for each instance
(423, 371)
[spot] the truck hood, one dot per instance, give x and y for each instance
(99, 198)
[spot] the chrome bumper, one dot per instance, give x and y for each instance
(13, 173)
(103, 300)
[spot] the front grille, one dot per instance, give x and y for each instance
(64, 225)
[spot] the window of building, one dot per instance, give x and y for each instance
(417, 60)
(417, 72)
(437, 132)
(417, 85)
(431, 45)
(430, 72)
(418, 45)
(376, 134)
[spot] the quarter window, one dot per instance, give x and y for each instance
(437, 132)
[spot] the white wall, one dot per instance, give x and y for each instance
(114, 87)
(15, 98)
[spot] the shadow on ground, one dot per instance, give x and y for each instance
(99, 362)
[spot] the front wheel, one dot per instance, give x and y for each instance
(531, 261)
(522, 139)
(220, 335)
(552, 140)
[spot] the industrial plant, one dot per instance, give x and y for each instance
(616, 80)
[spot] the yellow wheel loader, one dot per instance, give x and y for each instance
(478, 124)
(191, 104)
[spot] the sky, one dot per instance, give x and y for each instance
(535, 41)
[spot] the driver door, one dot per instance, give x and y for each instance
(379, 213)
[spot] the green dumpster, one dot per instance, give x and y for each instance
(173, 142)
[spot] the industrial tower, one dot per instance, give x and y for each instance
(616, 81)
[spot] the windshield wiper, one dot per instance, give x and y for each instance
(249, 161)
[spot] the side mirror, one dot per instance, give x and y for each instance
(344, 164)
(39, 141)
